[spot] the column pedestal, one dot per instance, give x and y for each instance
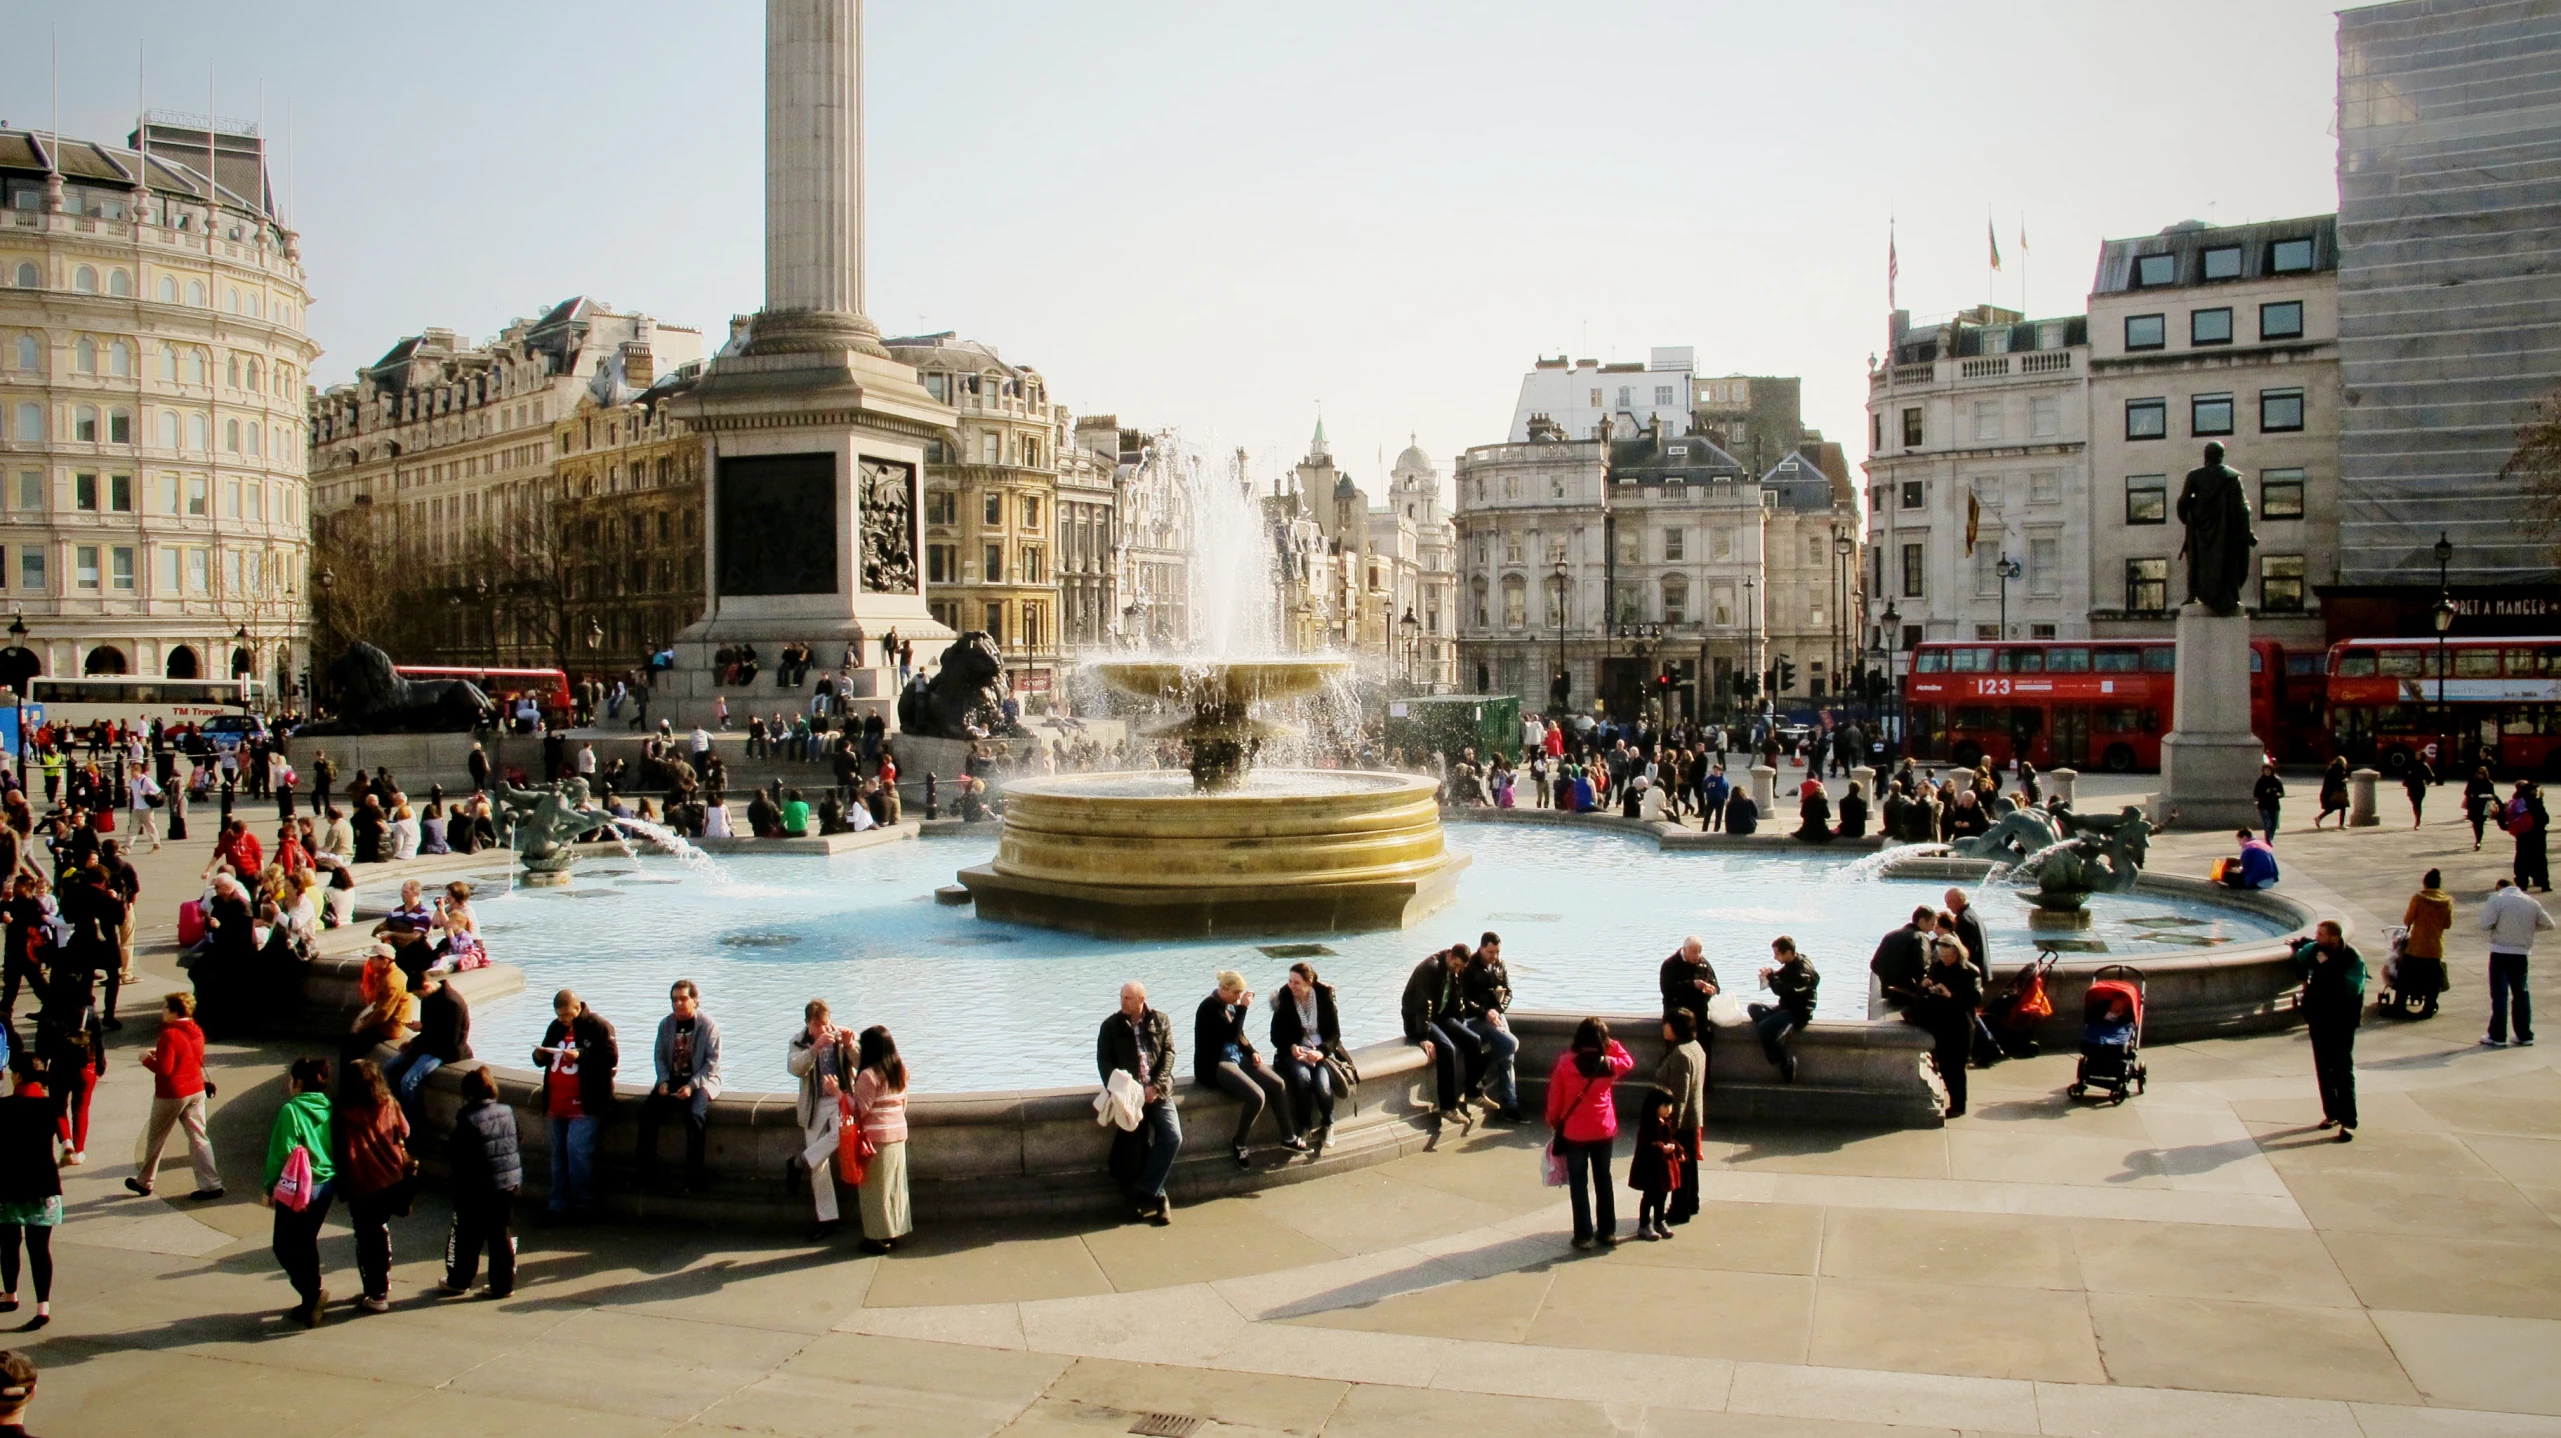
(2210, 759)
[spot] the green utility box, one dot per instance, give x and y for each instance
(1449, 723)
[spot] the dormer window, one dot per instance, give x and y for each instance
(2151, 271)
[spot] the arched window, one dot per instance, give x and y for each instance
(84, 355)
(119, 282)
(168, 429)
(199, 369)
(30, 354)
(257, 305)
(231, 371)
(257, 446)
(235, 299)
(120, 360)
(231, 435)
(168, 289)
(196, 293)
(84, 278)
(84, 423)
(169, 363)
(105, 659)
(198, 433)
(183, 663)
(30, 422)
(1476, 592)
(29, 277)
(254, 375)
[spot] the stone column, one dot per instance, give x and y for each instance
(1865, 777)
(2057, 784)
(814, 180)
(2210, 759)
(1765, 790)
(2361, 813)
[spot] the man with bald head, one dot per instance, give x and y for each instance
(1689, 981)
(1139, 1041)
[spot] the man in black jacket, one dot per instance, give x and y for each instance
(1900, 958)
(1485, 991)
(1139, 1041)
(443, 1037)
(1433, 1008)
(486, 1168)
(1969, 932)
(1689, 981)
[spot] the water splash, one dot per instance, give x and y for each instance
(694, 859)
(1874, 867)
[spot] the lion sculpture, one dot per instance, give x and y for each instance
(371, 698)
(962, 700)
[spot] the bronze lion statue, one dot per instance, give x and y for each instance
(962, 696)
(369, 697)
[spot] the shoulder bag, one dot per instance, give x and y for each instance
(1552, 1157)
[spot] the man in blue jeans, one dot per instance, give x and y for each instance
(2511, 919)
(577, 1057)
(1485, 990)
(1139, 1041)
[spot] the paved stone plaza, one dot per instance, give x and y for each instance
(2200, 1260)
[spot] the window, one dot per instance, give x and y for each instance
(119, 426)
(199, 572)
(2147, 499)
(168, 429)
(1676, 599)
(1626, 396)
(2045, 486)
(2223, 262)
(231, 572)
(2281, 583)
(2210, 414)
(2289, 257)
(84, 355)
(168, 290)
(1813, 549)
(994, 509)
(2146, 332)
(85, 280)
(993, 570)
(1031, 511)
(231, 435)
(1912, 493)
(2045, 416)
(2044, 565)
(2280, 494)
(1912, 427)
(2280, 411)
(1663, 394)
(85, 565)
(996, 622)
(120, 567)
(30, 354)
(2154, 271)
(196, 495)
(2281, 321)
(30, 489)
(2147, 418)
(1913, 568)
(1987, 567)
(991, 450)
(28, 276)
(120, 360)
(2210, 327)
(1987, 419)
(31, 567)
(1671, 545)
(30, 422)
(120, 493)
(2147, 585)
(1032, 565)
(84, 423)
(941, 507)
(231, 502)
(1876, 431)
(1515, 602)
(84, 491)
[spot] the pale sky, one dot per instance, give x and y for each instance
(1218, 217)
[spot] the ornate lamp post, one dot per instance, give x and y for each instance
(2008, 569)
(1892, 619)
(1842, 548)
(1561, 688)
(18, 687)
(1411, 629)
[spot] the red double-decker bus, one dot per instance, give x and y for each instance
(2075, 705)
(2462, 702)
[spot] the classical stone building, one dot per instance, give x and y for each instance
(153, 365)
(520, 485)
(991, 491)
(2215, 333)
(1364, 569)
(1978, 440)
(1088, 451)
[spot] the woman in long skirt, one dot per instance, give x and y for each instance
(880, 1115)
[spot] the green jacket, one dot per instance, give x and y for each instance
(795, 819)
(2332, 989)
(303, 1120)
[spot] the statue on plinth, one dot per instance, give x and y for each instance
(541, 823)
(2215, 508)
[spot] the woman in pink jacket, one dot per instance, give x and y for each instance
(1585, 1123)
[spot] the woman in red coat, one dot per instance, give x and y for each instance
(1585, 1123)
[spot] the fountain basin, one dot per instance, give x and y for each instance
(1144, 855)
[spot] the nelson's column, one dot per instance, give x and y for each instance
(814, 436)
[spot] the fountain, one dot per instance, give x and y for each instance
(541, 824)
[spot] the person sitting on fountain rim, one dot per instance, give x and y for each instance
(1431, 1009)
(1793, 982)
(1900, 958)
(687, 1057)
(1485, 991)
(795, 817)
(1688, 981)
(763, 819)
(2254, 868)
(1139, 1041)
(1223, 1058)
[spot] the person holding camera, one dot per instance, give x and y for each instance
(822, 1058)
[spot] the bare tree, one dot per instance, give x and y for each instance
(2537, 464)
(528, 569)
(358, 590)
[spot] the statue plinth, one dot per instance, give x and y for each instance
(2210, 758)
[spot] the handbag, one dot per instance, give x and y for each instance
(854, 1148)
(1347, 1078)
(294, 1186)
(1552, 1158)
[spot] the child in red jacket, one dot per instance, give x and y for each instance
(178, 1097)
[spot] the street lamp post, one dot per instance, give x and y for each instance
(1751, 638)
(1561, 687)
(2008, 569)
(1411, 629)
(2444, 621)
(1842, 547)
(18, 688)
(1890, 619)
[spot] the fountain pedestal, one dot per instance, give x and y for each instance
(2209, 759)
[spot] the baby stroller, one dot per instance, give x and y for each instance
(2023, 1003)
(2112, 1034)
(2410, 983)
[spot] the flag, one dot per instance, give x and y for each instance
(1893, 266)
(1991, 235)
(2023, 234)
(1973, 521)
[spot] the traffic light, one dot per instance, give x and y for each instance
(1663, 683)
(1786, 674)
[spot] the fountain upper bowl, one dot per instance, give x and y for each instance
(1221, 682)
